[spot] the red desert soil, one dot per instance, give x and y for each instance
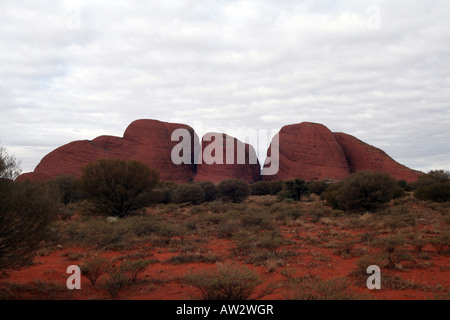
(167, 284)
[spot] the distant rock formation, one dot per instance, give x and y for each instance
(237, 160)
(147, 141)
(362, 156)
(307, 151)
(311, 151)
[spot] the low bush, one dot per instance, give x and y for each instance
(234, 190)
(438, 192)
(132, 269)
(67, 188)
(366, 191)
(227, 281)
(94, 268)
(188, 192)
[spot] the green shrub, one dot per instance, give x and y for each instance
(331, 194)
(441, 243)
(366, 191)
(117, 187)
(209, 190)
(294, 189)
(117, 281)
(234, 190)
(225, 282)
(438, 192)
(68, 189)
(317, 187)
(133, 268)
(310, 287)
(26, 211)
(163, 192)
(94, 268)
(188, 192)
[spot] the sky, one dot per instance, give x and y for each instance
(378, 70)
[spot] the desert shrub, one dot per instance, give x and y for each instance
(256, 218)
(317, 187)
(392, 251)
(36, 290)
(424, 180)
(366, 191)
(227, 229)
(117, 187)
(226, 281)
(167, 231)
(132, 269)
(94, 268)
(68, 189)
(209, 190)
(405, 185)
(116, 281)
(234, 190)
(261, 188)
(193, 258)
(310, 287)
(163, 192)
(248, 242)
(441, 243)
(438, 192)
(330, 195)
(294, 189)
(440, 175)
(26, 211)
(188, 192)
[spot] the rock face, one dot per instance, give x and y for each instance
(308, 151)
(362, 156)
(224, 157)
(147, 141)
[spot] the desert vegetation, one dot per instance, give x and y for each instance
(136, 237)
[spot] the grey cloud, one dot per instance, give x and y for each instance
(230, 64)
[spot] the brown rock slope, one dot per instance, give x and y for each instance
(240, 163)
(147, 141)
(362, 156)
(309, 151)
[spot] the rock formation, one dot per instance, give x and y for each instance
(147, 141)
(362, 156)
(309, 151)
(225, 157)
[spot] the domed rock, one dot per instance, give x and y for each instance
(307, 151)
(147, 141)
(362, 156)
(224, 157)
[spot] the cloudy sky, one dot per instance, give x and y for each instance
(379, 70)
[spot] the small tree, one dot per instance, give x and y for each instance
(9, 167)
(68, 189)
(295, 189)
(26, 211)
(234, 190)
(440, 175)
(117, 187)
